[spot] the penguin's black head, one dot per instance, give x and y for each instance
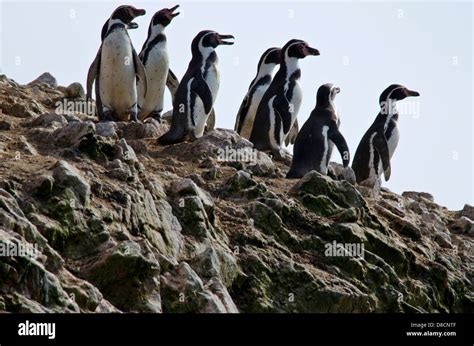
(164, 16)
(271, 56)
(209, 39)
(298, 49)
(396, 92)
(126, 14)
(326, 94)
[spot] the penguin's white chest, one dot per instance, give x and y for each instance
(393, 141)
(212, 79)
(295, 102)
(117, 73)
(156, 67)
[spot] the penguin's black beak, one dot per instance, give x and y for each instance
(134, 13)
(311, 51)
(411, 93)
(172, 9)
(338, 90)
(221, 39)
(137, 12)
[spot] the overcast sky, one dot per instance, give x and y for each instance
(365, 46)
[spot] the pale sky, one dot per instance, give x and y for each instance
(365, 47)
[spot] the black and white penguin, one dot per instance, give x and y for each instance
(316, 139)
(246, 115)
(380, 141)
(154, 56)
(281, 102)
(116, 67)
(197, 91)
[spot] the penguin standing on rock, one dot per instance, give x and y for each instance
(380, 141)
(197, 92)
(280, 104)
(314, 143)
(116, 67)
(246, 115)
(154, 57)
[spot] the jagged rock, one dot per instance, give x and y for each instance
(340, 173)
(107, 129)
(26, 276)
(463, 225)
(72, 133)
(320, 205)
(118, 170)
(51, 120)
(18, 110)
(215, 264)
(341, 192)
(125, 152)
(263, 165)
(72, 118)
(75, 90)
(44, 187)
(24, 146)
(418, 195)
(6, 125)
(468, 211)
(128, 278)
(183, 291)
(68, 176)
(134, 130)
(45, 78)
(252, 244)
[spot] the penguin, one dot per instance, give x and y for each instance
(246, 114)
(197, 91)
(116, 67)
(154, 57)
(314, 143)
(281, 102)
(381, 139)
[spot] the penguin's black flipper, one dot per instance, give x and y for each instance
(284, 109)
(200, 87)
(172, 83)
(380, 144)
(335, 135)
(140, 71)
(93, 73)
(244, 106)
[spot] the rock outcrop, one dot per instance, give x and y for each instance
(108, 221)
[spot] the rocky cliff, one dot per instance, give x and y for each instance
(120, 224)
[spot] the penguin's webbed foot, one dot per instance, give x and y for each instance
(133, 117)
(156, 115)
(107, 116)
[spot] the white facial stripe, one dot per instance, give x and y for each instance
(388, 97)
(372, 169)
(205, 51)
(114, 21)
(286, 53)
(190, 124)
(271, 135)
(331, 100)
(389, 106)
